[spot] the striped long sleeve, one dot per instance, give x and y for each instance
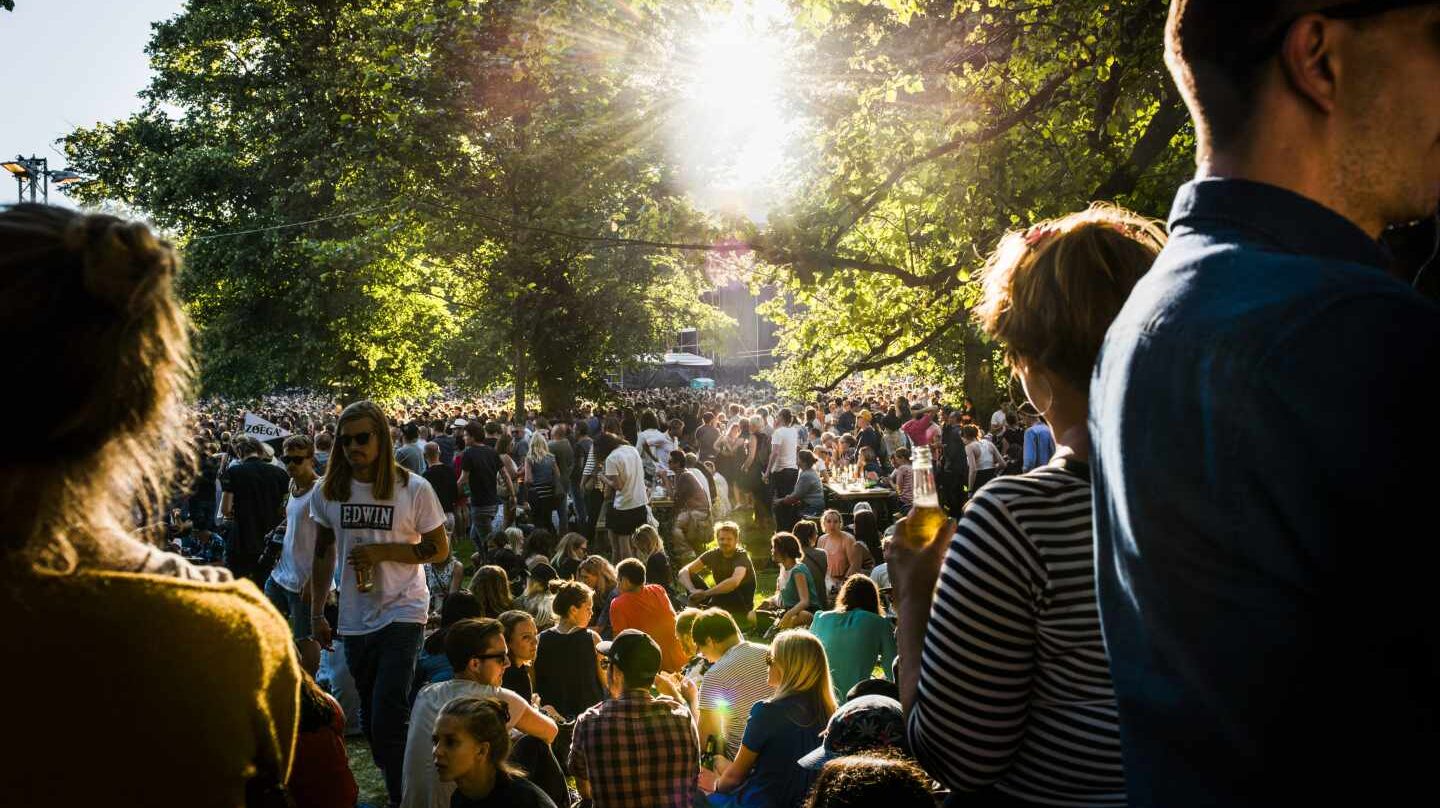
(1015, 687)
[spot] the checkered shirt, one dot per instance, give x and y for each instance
(637, 751)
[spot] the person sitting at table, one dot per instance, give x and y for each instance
(692, 506)
(843, 556)
(808, 498)
(729, 565)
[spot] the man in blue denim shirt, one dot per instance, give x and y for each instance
(1264, 513)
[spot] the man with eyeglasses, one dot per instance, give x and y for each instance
(252, 500)
(386, 523)
(477, 652)
(1271, 634)
(288, 586)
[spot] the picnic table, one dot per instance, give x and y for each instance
(844, 498)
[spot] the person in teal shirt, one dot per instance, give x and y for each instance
(799, 593)
(855, 636)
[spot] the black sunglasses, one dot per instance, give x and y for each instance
(295, 460)
(490, 656)
(359, 438)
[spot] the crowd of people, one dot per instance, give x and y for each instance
(1151, 588)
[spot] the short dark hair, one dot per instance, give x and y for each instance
(300, 443)
(806, 458)
(411, 431)
(467, 639)
(713, 624)
(1218, 52)
(631, 570)
(474, 431)
(805, 531)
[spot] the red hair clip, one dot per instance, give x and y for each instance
(1038, 233)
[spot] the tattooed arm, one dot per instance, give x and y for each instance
(320, 577)
(433, 546)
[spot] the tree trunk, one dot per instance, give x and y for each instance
(522, 373)
(980, 384)
(557, 394)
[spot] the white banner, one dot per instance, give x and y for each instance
(263, 429)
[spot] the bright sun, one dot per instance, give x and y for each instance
(735, 121)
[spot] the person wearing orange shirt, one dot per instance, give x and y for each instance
(647, 607)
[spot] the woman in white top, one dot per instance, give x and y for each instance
(984, 458)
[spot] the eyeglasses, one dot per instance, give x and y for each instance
(294, 460)
(483, 657)
(358, 438)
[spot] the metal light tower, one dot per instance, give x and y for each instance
(34, 173)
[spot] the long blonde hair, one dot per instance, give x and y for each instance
(645, 542)
(539, 448)
(804, 673)
(101, 436)
(339, 472)
(597, 565)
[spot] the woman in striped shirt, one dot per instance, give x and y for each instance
(1003, 673)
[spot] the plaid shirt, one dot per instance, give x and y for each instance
(637, 751)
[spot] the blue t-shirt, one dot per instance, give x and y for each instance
(778, 739)
(1262, 491)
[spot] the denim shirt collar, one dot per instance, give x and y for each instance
(1282, 218)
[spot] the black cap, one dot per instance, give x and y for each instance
(543, 572)
(635, 654)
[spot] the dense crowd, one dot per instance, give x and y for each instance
(1148, 586)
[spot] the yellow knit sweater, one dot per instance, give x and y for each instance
(134, 689)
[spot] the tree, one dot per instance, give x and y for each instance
(383, 197)
(939, 126)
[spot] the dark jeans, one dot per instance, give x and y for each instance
(292, 606)
(481, 520)
(542, 512)
(782, 484)
(383, 664)
(541, 767)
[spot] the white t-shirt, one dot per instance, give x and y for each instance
(420, 782)
(400, 593)
(293, 569)
(784, 443)
(654, 447)
(704, 484)
(624, 464)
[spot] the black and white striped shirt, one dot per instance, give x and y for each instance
(1015, 687)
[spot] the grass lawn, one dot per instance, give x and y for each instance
(367, 776)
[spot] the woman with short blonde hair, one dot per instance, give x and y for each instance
(1015, 611)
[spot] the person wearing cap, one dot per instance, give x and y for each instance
(1270, 641)
(253, 499)
(862, 724)
(636, 750)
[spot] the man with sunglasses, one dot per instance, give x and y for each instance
(386, 524)
(252, 500)
(476, 650)
(1272, 638)
(288, 586)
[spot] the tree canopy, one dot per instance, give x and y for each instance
(386, 197)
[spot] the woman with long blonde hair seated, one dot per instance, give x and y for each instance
(781, 729)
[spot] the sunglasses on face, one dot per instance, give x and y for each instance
(295, 460)
(483, 657)
(358, 438)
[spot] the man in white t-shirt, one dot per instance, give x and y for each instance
(783, 467)
(387, 524)
(288, 586)
(625, 474)
(476, 650)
